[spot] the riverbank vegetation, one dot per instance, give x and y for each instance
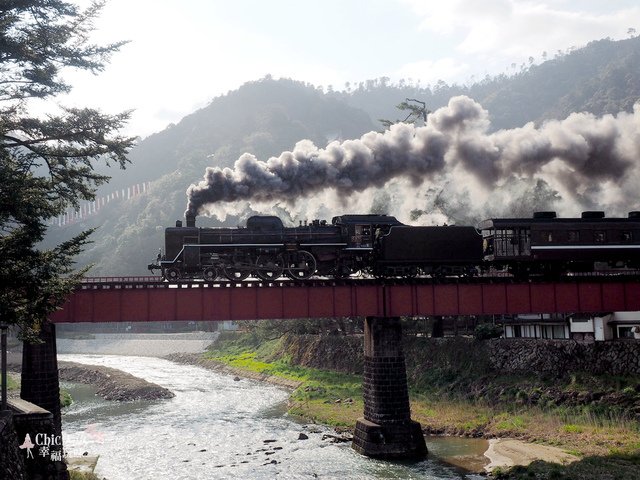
(13, 389)
(456, 393)
(12, 383)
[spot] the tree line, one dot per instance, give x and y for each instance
(47, 162)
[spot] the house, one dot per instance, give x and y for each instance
(596, 327)
(549, 326)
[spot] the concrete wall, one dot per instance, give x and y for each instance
(141, 344)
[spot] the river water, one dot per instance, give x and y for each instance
(219, 428)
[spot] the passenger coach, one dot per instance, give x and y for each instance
(549, 245)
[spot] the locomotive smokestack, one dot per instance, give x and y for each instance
(191, 219)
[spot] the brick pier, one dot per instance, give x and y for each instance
(386, 431)
(40, 386)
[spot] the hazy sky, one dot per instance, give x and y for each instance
(184, 53)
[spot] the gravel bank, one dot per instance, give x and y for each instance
(112, 384)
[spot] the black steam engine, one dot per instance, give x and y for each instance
(381, 246)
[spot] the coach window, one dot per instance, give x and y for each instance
(626, 236)
(547, 237)
(573, 236)
(599, 236)
(503, 243)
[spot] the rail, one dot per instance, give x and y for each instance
(110, 282)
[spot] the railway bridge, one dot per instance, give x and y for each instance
(386, 429)
(141, 299)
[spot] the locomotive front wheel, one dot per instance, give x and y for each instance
(172, 274)
(301, 265)
(268, 267)
(236, 273)
(209, 274)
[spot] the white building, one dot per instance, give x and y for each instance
(580, 327)
(545, 326)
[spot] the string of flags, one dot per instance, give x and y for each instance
(89, 209)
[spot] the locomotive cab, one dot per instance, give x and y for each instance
(361, 231)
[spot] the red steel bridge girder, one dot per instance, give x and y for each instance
(157, 301)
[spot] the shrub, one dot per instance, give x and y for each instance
(486, 331)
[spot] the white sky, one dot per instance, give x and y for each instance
(184, 53)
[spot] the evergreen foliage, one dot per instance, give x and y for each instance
(47, 163)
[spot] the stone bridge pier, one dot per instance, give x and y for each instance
(40, 386)
(386, 431)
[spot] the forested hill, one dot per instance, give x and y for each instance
(267, 116)
(603, 77)
(263, 117)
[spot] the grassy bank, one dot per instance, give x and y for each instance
(327, 397)
(12, 383)
(13, 387)
(603, 436)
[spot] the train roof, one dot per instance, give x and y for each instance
(548, 219)
(372, 218)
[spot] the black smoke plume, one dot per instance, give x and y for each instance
(583, 156)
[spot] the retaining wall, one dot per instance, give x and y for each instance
(11, 462)
(557, 356)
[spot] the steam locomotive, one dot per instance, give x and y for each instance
(381, 246)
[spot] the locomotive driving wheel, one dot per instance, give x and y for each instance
(236, 272)
(301, 265)
(269, 267)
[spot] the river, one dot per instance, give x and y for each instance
(216, 427)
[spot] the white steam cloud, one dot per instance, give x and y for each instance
(452, 163)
